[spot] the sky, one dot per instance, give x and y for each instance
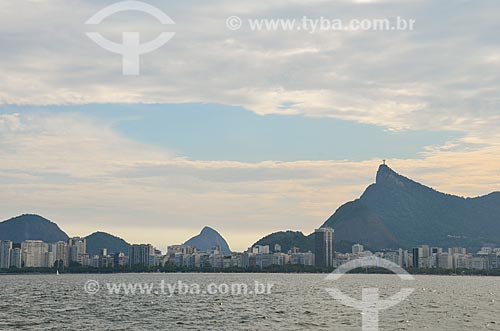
(246, 131)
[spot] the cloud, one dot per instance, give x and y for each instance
(68, 144)
(441, 76)
(82, 174)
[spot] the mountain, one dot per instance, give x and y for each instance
(99, 240)
(31, 227)
(208, 239)
(399, 212)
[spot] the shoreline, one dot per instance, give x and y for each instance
(414, 272)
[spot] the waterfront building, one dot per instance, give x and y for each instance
(49, 259)
(142, 255)
(236, 260)
(106, 260)
(324, 250)
(479, 263)
(61, 253)
(226, 262)
(248, 259)
(462, 261)
(174, 249)
(392, 257)
(264, 260)
(77, 250)
(444, 261)
(216, 259)
(416, 252)
(280, 259)
(494, 260)
(404, 258)
(5, 251)
(33, 253)
(178, 259)
(422, 257)
(15, 258)
(120, 260)
(306, 259)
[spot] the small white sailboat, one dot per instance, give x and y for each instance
(57, 272)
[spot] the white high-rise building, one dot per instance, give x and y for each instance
(479, 263)
(61, 253)
(49, 259)
(77, 248)
(403, 258)
(280, 259)
(462, 261)
(33, 253)
(444, 261)
(5, 250)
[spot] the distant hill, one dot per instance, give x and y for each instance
(399, 212)
(287, 240)
(31, 227)
(99, 240)
(208, 239)
(290, 239)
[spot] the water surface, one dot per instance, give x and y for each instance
(296, 302)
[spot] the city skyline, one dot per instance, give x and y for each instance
(117, 231)
(72, 255)
(280, 138)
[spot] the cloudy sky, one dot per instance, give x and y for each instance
(246, 131)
